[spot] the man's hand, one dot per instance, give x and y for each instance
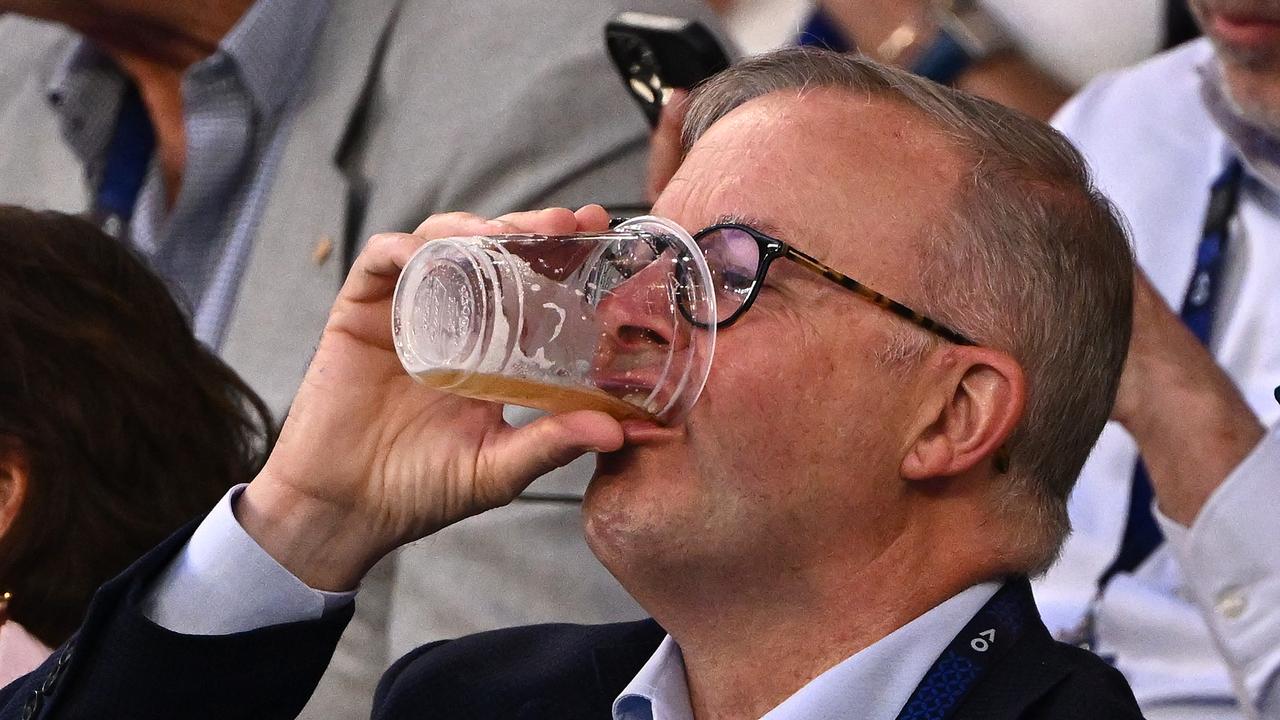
(872, 24)
(1191, 424)
(898, 32)
(368, 459)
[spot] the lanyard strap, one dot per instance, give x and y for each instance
(983, 641)
(1142, 534)
(1198, 303)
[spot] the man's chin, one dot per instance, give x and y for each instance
(614, 511)
(631, 487)
(1251, 90)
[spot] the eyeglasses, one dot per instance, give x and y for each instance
(739, 256)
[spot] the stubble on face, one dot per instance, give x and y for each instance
(1246, 40)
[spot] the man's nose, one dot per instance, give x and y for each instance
(641, 312)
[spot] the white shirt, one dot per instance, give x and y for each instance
(1196, 629)
(873, 684)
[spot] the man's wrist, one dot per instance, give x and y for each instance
(323, 544)
(1192, 432)
(1179, 395)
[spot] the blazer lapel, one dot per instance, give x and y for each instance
(616, 663)
(590, 685)
(296, 264)
(1032, 667)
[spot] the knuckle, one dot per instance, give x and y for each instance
(441, 221)
(559, 214)
(382, 240)
(457, 215)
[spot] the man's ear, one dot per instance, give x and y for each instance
(14, 474)
(978, 397)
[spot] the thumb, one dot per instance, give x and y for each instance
(520, 455)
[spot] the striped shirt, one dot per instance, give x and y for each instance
(236, 111)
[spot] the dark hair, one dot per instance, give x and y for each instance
(128, 425)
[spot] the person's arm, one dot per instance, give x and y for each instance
(223, 582)
(121, 665)
(1229, 560)
(368, 460)
(1215, 472)
(1192, 426)
(1007, 77)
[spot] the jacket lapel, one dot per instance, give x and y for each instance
(616, 665)
(588, 688)
(296, 265)
(1032, 667)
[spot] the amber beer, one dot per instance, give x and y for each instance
(534, 320)
(529, 393)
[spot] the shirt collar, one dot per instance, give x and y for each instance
(659, 690)
(271, 47)
(84, 91)
(878, 680)
(875, 683)
(1257, 149)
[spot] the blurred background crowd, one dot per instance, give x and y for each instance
(184, 185)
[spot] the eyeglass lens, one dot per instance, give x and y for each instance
(733, 257)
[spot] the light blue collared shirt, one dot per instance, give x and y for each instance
(236, 111)
(873, 684)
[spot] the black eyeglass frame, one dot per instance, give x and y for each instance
(772, 248)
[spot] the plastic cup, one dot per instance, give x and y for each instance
(597, 321)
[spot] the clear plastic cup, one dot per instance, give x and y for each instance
(598, 321)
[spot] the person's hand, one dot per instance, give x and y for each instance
(369, 459)
(1188, 417)
(872, 23)
(898, 31)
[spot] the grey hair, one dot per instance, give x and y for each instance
(1030, 259)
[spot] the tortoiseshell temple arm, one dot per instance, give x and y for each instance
(883, 301)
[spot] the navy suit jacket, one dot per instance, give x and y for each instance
(120, 665)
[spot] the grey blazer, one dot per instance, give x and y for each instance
(410, 107)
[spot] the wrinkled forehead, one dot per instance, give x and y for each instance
(826, 169)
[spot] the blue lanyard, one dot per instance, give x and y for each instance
(1141, 533)
(1198, 304)
(984, 640)
(128, 157)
